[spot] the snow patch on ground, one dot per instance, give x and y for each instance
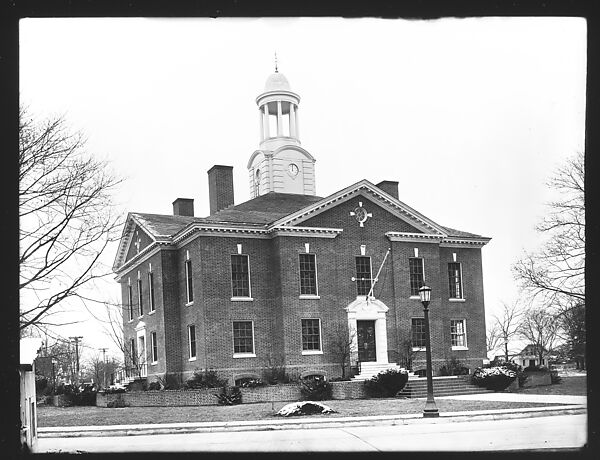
(304, 408)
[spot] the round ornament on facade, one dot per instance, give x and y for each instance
(360, 214)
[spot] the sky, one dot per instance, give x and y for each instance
(471, 116)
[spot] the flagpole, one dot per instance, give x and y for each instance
(378, 272)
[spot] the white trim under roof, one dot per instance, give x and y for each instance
(458, 242)
(414, 237)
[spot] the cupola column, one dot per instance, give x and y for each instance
(267, 129)
(262, 123)
(293, 120)
(279, 120)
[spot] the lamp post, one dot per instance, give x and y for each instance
(430, 409)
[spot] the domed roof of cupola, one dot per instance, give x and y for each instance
(277, 82)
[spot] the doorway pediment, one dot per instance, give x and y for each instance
(363, 306)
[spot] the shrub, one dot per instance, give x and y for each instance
(386, 384)
(206, 379)
(554, 377)
(154, 386)
(78, 396)
(494, 378)
(249, 382)
(275, 371)
(170, 381)
(521, 374)
(117, 403)
(229, 396)
(315, 387)
(114, 390)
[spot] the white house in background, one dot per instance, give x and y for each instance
(529, 357)
(29, 348)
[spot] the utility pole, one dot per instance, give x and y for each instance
(76, 340)
(103, 350)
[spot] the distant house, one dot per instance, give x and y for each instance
(529, 357)
(29, 348)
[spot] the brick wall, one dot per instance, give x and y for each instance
(277, 309)
(206, 397)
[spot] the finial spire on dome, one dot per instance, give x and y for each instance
(276, 62)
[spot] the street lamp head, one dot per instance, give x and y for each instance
(425, 294)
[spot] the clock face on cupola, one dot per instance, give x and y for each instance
(280, 164)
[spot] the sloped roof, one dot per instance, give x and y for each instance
(273, 211)
(162, 225)
(264, 209)
(259, 211)
(460, 233)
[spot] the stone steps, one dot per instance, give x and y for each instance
(442, 386)
(368, 369)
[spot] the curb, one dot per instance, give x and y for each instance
(295, 424)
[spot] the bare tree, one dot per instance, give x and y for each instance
(493, 337)
(113, 328)
(66, 216)
(507, 325)
(558, 269)
(570, 317)
(405, 355)
(97, 368)
(343, 344)
(540, 328)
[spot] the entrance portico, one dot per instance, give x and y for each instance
(365, 319)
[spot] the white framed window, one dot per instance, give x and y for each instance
(154, 347)
(130, 301)
(189, 283)
(240, 277)
(364, 275)
(243, 339)
(192, 342)
(308, 275)
(416, 275)
(140, 298)
(311, 336)
(151, 304)
(455, 285)
(132, 352)
(458, 333)
(417, 332)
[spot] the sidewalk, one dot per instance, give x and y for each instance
(568, 405)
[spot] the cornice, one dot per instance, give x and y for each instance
(214, 230)
(457, 242)
(314, 232)
(144, 255)
(412, 237)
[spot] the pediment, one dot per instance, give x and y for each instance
(409, 220)
(134, 240)
(363, 305)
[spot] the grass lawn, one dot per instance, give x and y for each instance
(49, 416)
(572, 385)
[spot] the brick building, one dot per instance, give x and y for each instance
(291, 276)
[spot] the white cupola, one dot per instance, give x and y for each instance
(280, 164)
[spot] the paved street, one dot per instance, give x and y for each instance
(560, 431)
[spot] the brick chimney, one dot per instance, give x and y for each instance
(390, 187)
(220, 187)
(183, 207)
